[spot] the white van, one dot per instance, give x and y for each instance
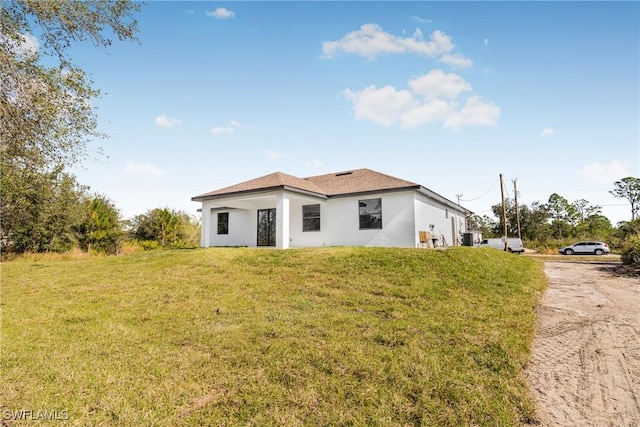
(513, 244)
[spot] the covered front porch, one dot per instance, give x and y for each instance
(260, 219)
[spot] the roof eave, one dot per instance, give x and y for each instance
(433, 195)
(205, 197)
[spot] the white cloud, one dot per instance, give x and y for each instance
(385, 105)
(486, 41)
(273, 155)
(167, 122)
(431, 98)
(548, 132)
(221, 13)
(476, 112)
(231, 128)
(438, 84)
(610, 172)
(371, 40)
(456, 60)
(134, 168)
(432, 112)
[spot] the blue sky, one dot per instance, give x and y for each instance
(448, 95)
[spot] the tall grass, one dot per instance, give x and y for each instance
(335, 336)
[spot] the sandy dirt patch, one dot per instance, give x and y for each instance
(585, 366)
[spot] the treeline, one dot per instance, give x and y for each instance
(556, 221)
(48, 211)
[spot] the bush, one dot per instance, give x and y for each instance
(631, 252)
(149, 245)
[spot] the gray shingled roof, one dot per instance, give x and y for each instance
(358, 181)
(268, 182)
(332, 184)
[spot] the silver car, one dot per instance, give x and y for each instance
(590, 247)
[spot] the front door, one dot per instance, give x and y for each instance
(266, 227)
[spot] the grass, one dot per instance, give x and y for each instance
(335, 336)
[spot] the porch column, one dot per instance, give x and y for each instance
(282, 221)
(206, 224)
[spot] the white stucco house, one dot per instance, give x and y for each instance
(352, 208)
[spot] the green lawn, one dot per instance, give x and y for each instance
(335, 336)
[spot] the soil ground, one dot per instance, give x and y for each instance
(585, 366)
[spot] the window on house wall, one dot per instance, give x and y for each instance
(311, 218)
(370, 214)
(446, 213)
(223, 223)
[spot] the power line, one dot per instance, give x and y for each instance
(487, 192)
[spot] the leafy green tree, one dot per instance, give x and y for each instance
(485, 224)
(40, 211)
(628, 228)
(628, 188)
(101, 229)
(46, 113)
(624, 232)
(167, 227)
(583, 210)
(512, 223)
(562, 215)
(597, 226)
(534, 221)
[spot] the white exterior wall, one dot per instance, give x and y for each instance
(340, 223)
(298, 238)
(239, 228)
(429, 211)
(404, 213)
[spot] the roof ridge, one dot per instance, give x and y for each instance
(391, 176)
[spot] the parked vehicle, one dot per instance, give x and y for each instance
(589, 247)
(513, 244)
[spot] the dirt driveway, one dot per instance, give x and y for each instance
(585, 367)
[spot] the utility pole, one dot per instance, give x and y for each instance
(515, 191)
(504, 215)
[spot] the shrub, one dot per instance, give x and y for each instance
(149, 245)
(631, 252)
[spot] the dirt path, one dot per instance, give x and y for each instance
(585, 367)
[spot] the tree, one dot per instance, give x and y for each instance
(40, 211)
(627, 229)
(46, 112)
(595, 226)
(534, 221)
(167, 227)
(628, 188)
(485, 224)
(562, 215)
(101, 229)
